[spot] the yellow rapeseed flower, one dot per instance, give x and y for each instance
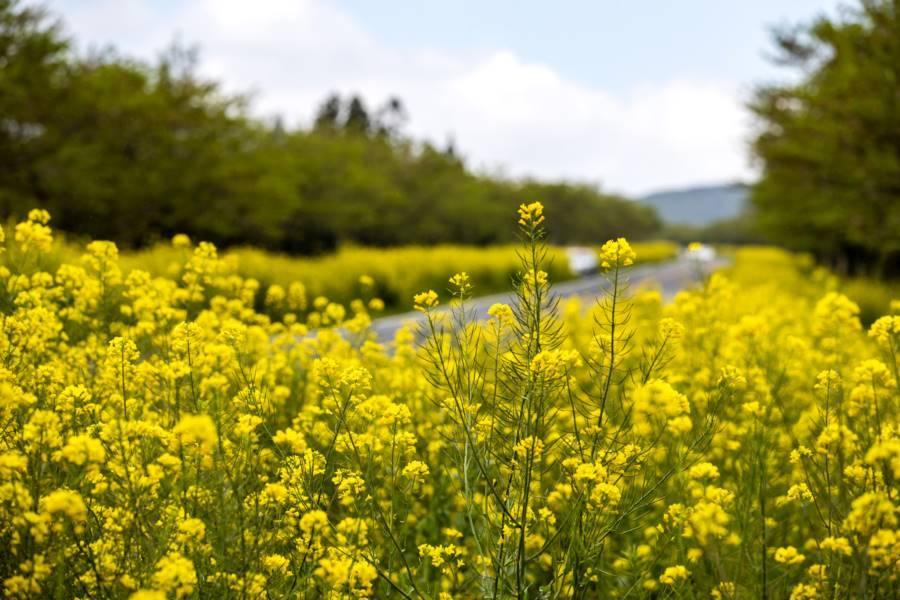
(531, 215)
(788, 555)
(617, 253)
(425, 301)
(672, 575)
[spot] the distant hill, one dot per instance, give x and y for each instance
(699, 206)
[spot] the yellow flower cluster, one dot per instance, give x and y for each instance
(617, 253)
(673, 575)
(531, 215)
(657, 401)
(162, 438)
(461, 284)
(425, 300)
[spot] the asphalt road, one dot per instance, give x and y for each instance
(669, 277)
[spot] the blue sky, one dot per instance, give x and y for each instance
(611, 43)
(635, 96)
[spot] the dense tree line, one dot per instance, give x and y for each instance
(830, 143)
(129, 151)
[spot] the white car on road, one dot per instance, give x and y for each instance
(700, 252)
(582, 260)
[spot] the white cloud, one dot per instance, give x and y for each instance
(502, 111)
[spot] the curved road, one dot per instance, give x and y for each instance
(670, 276)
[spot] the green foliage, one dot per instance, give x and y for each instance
(32, 55)
(134, 153)
(830, 143)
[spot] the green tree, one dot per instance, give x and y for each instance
(329, 113)
(358, 120)
(829, 144)
(126, 151)
(133, 152)
(33, 71)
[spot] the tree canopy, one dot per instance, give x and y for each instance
(829, 143)
(131, 151)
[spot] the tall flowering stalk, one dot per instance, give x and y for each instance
(546, 444)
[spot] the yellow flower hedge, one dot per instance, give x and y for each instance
(392, 275)
(161, 438)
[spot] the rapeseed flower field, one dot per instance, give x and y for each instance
(392, 275)
(160, 437)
